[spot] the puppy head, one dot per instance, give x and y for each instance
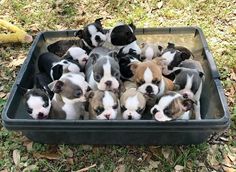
(71, 87)
(171, 106)
(149, 51)
(174, 56)
(122, 34)
(79, 55)
(148, 77)
(93, 34)
(63, 66)
(106, 73)
(38, 103)
(188, 81)
(103, 105)
(132, 104)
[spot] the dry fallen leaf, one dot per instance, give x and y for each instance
(2, 94)
(166, 152)
(5, 170)
(47, 155)
(154, 164)
(160, 4)
(30, 168)
(69, 153)
(120, 168)
(179, 168)
(16, 157)
(16, 62)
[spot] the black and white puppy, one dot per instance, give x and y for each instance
(51, 64)
(78, 55)
(122, 35)
(173, 56)
(102, 70)
(69, 96)
(93, 35)
(189, 78)
(125, 61)
(172, 106)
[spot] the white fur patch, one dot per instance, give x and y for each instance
(69, 109)
(78, 54)
(36, 104)
(92, 29)
(168, 56)
(92, 82)
(94, 32)
(147, 76)
(149, 53)
(132, 103)
(133, 45)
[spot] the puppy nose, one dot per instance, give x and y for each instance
(40, 115)
(107, 116)
(108, 83)
(97, 38)
(185, 95)
(149, 89)
(129, 117)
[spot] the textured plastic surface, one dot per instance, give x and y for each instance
(214, 108)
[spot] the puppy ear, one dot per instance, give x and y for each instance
(56, 86)
(176, 72)
(89, 95)
(132, 26)
(133, 66)
(159, 61)
(98, 21)
(188, 104)
(23, 90)
(160, 48)
(79, 33)
(94, 57)
(184, 55)
(57, 71)
(143, 44)
(170, 45)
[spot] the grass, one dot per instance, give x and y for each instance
(215, 17)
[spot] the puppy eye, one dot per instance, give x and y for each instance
(29, 110)
(78, 93)
(97, 77)
(156, 81)
(123, 108)
(99, 110)
(115, 106)
(139, 110)
(140, 82)
(45, 104)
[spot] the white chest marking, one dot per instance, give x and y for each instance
(148, 75)
(132, 103)
(70, 111)
(108, 100)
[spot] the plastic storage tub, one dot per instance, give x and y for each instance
(214, 108)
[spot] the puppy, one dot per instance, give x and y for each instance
(149, 80)
(77, 54)
(173, 56)
(189, 78)
(51, 64)
(172, 106)
(91, 36)
(124, 62)
(122, 35)
(103, 105)
(69, 97)
(150, 51)
(42, 81)
(102, 70)
(132, 102)
(37, 103)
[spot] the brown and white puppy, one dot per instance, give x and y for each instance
(150, 51)
(103, 105)
(69, 97)
(132, 102)
(172, 106)
(149, 80)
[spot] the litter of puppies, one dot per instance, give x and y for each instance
(83, 79)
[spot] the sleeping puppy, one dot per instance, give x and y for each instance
(37, 103)
(69, 97)
(132, 102)
(51, 64)
(173, 56)
(103, 105)
(91, 36)
(149, 51)
(78, 55)
(102, 70)
(189, 78)
(172, 106)
(122, 35)
(149, 80)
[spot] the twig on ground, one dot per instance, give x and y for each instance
(86, 168)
